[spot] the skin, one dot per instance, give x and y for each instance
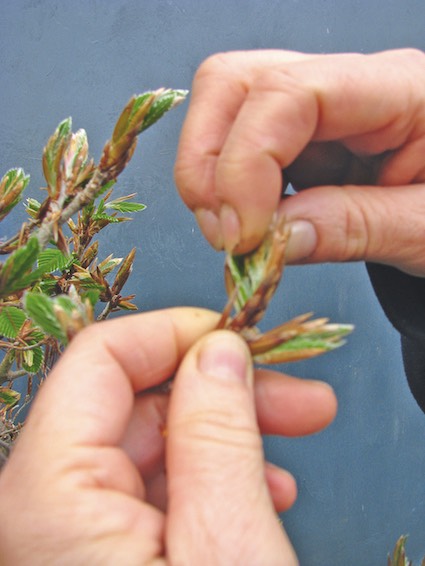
(348, 132)
(86, 481)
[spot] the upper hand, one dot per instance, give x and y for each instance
(351, 126)
(109, 471)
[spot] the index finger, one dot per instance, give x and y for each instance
(239, 137)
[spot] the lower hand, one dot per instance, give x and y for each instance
(108, 470)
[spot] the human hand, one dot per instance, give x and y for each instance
(350, 126)
(86, 482)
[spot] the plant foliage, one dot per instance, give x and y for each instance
(52, 280)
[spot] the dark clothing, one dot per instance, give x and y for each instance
(402, 297)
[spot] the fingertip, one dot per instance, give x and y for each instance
(323, 399)
(224, 355)
(302, 241)
(209, 224)
(292, 406)
(230, 227)
(282, 487)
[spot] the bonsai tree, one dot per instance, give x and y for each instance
(52, 279)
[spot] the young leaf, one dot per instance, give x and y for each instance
(109, 264)
(66, 303)
(52, 259)
(399, 554)
(325, 338)
(11, 321)
(75, 167)
(17, 266)
(32, 207)
(163, 102)
(33, 359)
(40, 309)
(122, 204)
(125, 206)
(9, 397)
(91, 296)
(137, 105)
(53, 153)
(251, 281)
(12, 185)
(102, 217)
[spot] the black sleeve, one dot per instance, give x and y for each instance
(402, 297)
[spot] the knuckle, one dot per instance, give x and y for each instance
(220, 428)
(213, 65)
(412, 55)
(358, 233)
(298, 97)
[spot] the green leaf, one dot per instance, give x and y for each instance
(11, 321)
(9, 397)
(66, 303)
(47, 285)
(106, 187)
(17, 266)
(92, 296)
(52, 259)
(16, 271)
(33, 359)
(40, 309)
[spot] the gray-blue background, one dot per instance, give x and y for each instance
(361, 482)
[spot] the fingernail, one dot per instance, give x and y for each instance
(230, 228)
(224, 356)
(302, 241)
(210, 227)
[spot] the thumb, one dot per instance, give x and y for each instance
(351, 223)
(220, 510)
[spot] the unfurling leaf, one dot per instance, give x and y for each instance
(164, 101)
(121, 204)
(32, 207)
(399, 554)
(140, 113)
(133, 115)
(9, 397)
(32, 360)
(75, 166)
(12, 185)
(124, 271)
(53, 154)
(251, 281)
(109, 264)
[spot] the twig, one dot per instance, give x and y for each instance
(81, 199)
